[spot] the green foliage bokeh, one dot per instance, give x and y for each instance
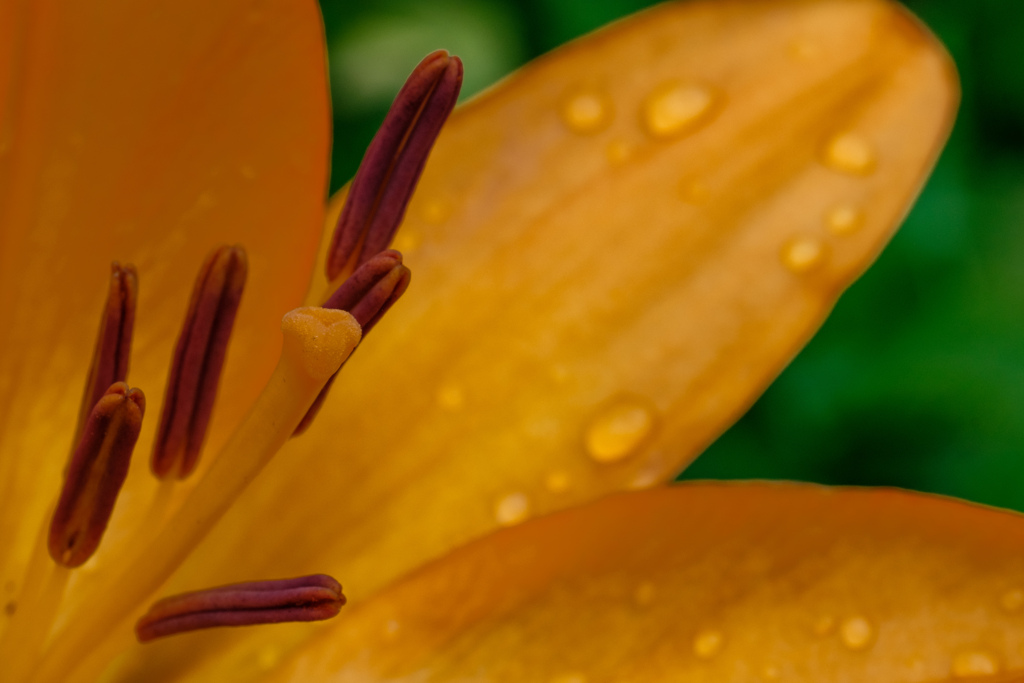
(917, 378)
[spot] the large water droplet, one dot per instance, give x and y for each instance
(803, 254)
(1012, 600)
(844, 220)
(707, 643)
(970, 663)
(512, 509)
(676, 107)
(850, 153)
(856, 632)
(587, 112)
(618, 429)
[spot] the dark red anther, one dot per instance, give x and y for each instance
(113, 343)
(393, 162)
(198, 361)
(95, 474)
(367, 294)
(307, 598)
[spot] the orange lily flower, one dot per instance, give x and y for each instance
(615, 251)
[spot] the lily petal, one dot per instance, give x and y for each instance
(591, 306)
(150, 134)
(704, 582)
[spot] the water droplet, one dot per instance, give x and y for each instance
(676, 107)
(247, 171)
(450, 397)
(1012, 600)
(587, 112)
(267, 658)
(771, 672)
(618, 151)
(618, 429)
(824, 625)
(803, 254)
(569, 678)
(707, 643)
(512, 509)
(557, 481)
(390, 630)
(436, 211)
(643, 596)
(850, 153)
(856, 632)
(406, 241)
(972, 663)
(844, 220)
(694, 192)
(10, 607)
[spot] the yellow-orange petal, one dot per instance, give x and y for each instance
(703, 582)
(149, 134)
(562, 298)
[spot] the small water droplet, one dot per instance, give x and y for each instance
(247, 171)
(803, 254)
(557, 481)
(676, 107)
(10, 607)
(618, 429)
(850, 153)
(512, 509)
(450, 397)
(1012, 600)
(856, 632)
(824, 625)
(643, 596)
(390, 630)
(771, 672)
(587, 112)
(707, 643)
(694, 192)
(406, 241)
(844, 220)
(559, 373)
(268, 658)
(970, 663)
(569, 678)
(436, 211)
(618, 151)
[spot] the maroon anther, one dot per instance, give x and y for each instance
(307, 598)
(367, 294)
(393, 162)
(114, 341)
(198, 361)
(95, 474)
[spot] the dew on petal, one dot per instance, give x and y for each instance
(247, 171)
(844, 220)
(569, 678)
(676, 107)
(435, 211)
(557, 481)
(856, 632)
(824, 625)
(450, 397)
(707, 643)
(694, 192)
(802, 254)
(850, 153)
(771, 672)
(512, 509)
(390, 630)
(587, 112)
(643, 595)
(1012, 600)
(971, 663)
(618, 151)
(10, 607)
(618, 429)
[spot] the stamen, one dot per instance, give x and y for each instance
(367, 294)
(393, 162)
(114, 341)
(95, 474)
(198, 361)
(306, 598)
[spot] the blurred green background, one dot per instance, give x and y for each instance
(917, 379)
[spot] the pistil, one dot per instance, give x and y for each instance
(306, 598)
